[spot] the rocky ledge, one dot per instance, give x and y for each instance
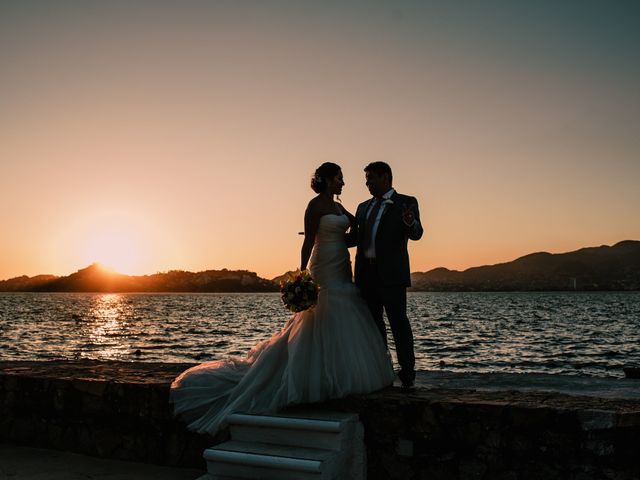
(443, 430)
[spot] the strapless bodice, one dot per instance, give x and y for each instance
(330, 264)
(332, 228)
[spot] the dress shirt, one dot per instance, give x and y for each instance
(371, 251)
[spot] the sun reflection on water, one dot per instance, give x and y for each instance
(107, 330)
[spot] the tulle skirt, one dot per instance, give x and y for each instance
(329, 351)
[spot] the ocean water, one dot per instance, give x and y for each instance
(592, 334)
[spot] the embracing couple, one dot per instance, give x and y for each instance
(338, 347)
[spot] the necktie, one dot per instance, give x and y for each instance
(368, 226)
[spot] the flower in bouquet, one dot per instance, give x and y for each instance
(299, 292)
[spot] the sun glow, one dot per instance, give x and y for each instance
(116, 249)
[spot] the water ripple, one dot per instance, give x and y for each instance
(577, 333)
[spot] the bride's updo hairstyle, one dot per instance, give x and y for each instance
(323, 174)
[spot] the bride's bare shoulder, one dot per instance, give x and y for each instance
(314, 204)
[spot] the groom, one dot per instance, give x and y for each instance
(384, 225)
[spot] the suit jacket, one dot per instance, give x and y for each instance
(392, 257)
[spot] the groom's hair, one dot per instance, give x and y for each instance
(380, 168)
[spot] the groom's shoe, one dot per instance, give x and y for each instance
(407, 387)
(407, 381)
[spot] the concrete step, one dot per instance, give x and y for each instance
(315, 454)
(323, 430)
(259, 460)
(295, 444)
(286, 421)
(208, 476)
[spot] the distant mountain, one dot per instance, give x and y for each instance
(24, 283)
(96, 278)
(596, 268)
(283, 278)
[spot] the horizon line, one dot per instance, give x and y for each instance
(113, 271)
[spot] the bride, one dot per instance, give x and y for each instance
(328, 351)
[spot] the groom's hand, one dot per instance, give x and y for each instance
(408, 214)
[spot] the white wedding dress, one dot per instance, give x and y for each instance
(329, 351)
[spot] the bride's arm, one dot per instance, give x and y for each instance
(311, 222)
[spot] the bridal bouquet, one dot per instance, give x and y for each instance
(299, 292)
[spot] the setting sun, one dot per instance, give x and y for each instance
(115, 249)
(114, 245)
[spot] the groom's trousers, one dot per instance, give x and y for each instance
(392, 300)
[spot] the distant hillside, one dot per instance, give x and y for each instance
(98, 279)
(283, 278)
(595, 268)
(24, 283)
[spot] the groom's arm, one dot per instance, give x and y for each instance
(415, 231)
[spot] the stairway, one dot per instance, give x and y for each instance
(295, 444)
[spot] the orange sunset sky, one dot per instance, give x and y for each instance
(182, 135)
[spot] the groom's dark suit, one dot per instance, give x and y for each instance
(382, 271)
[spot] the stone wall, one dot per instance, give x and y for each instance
(106, 409)
(121, 410)
(445, 434)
